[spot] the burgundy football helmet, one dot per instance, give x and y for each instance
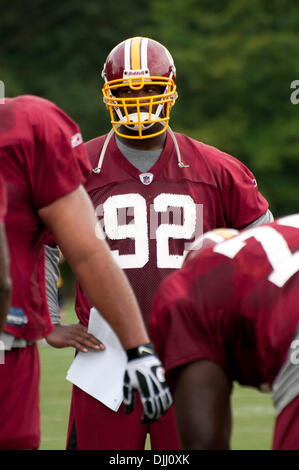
(210, 239)
(135, 63)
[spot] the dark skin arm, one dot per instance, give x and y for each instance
(74, 335)
(5, 282)
(62, 336)
(202, 406)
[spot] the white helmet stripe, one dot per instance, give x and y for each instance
(128, 54)
(144, 43)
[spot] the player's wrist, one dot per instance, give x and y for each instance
(140, 351)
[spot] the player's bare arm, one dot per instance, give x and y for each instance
(5, 282)
(72, 221)
(202, 398)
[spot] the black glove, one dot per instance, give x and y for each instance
(146, 374)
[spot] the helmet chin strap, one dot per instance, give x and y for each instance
(97, 170)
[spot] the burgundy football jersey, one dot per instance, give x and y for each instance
(3, 202)
(235, 304)
(42, 159)
(150, 219)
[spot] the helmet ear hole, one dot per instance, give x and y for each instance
(136, 63)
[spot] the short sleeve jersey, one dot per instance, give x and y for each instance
(42, 159)
(150, 219)
(235, 304)
(3, 201)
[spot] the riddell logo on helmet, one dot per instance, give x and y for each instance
(135, 73)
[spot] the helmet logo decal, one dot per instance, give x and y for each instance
(135, 73)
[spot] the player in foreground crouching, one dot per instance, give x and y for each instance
(231, 314)
(43, 163)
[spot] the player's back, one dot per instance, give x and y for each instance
(266, 290)
(235, 304)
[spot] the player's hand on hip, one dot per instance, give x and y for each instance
(74, 335)
(146, 375)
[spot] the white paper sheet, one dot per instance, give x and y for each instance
(101, 373)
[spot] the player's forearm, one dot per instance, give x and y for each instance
(109, 291)
(202, 406)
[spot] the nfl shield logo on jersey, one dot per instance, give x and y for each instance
(146, 178)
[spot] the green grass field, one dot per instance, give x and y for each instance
(253, 414)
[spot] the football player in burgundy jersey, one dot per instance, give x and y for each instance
(153, 191)
(231, 314)
(44, 163)
(5, 281)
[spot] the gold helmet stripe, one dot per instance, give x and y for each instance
(135, 54)
(226, 233)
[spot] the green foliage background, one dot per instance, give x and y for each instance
(235, 63)
(235, 59)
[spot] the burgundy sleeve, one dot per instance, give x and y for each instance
(60, 163)
(243, 203)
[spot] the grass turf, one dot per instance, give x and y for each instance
(253, 414)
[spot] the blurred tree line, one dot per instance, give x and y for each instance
(235, 64)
